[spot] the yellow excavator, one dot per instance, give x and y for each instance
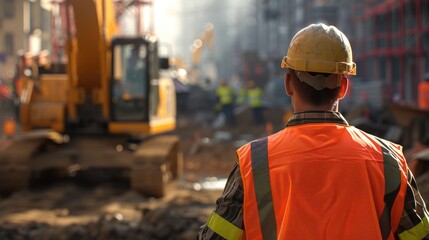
(112, 109)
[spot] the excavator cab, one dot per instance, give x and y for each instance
(142, 100)
(130, 81)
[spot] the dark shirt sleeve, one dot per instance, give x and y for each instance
(228, 205)
(414, 221)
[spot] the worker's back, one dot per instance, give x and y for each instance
(327, 182)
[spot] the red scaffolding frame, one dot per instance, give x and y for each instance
(381, 39)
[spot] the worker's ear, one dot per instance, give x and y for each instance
(288, 84)
(344, 87)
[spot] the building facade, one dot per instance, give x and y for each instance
(390, 41)
(11, 35)
(389, 37)
(24, 25)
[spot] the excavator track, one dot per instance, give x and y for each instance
(155, 163)
(15, 165)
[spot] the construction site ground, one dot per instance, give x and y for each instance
(69, 209)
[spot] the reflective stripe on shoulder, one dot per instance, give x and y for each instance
(261, 181)
(417, 232)
(224, 228)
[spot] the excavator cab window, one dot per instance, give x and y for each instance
(130, 81)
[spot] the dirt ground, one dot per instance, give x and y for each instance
(66, 209)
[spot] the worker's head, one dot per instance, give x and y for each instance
(335, 89)
(251, 84)
(28, 59)
(44, 58)
(319, 58)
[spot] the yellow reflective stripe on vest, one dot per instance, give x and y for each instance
(224, 228)
(417, 232)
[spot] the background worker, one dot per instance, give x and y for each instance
(255, 96)
(225, 96)
(424, 93)
(241, 96)
(319, 177)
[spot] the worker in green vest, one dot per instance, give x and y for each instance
(225, 96)
(241, 96)
(255, 95)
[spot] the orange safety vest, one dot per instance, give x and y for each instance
(424, 95)
(322, 181)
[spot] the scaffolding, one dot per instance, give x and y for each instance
(388, 41)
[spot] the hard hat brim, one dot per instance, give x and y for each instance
(319, 66)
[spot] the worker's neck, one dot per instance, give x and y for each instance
(304, 107)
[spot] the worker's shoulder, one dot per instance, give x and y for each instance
(392, 146)
(247, 147)
(260, 142)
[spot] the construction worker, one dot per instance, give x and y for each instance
(44, 62)
(319, 177)
(424, 93)
(18, 82)
(241, 96)
(255, 96)
(225, 96)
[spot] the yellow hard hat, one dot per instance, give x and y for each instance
(320, 48)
